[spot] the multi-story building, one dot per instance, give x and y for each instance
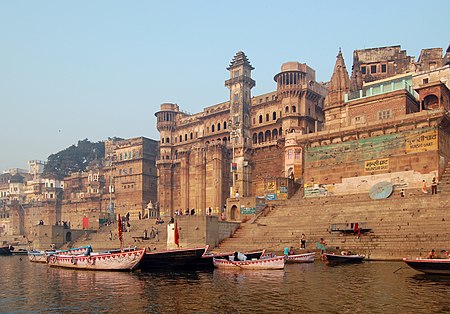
(320, 134)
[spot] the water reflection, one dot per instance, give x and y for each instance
(374, 287)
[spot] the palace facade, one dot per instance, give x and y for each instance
(387, 121)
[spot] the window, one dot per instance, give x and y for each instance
(185, 137)
(131, 170)
(236, 73)
(218, 126)
(373, 69)
(267, 117)
(384, 114)
(286, 110)
(260, 118)
(290, 154)
(212, 128)
(162, 140)
(274, 115)
(425, 81)
(225, 125)
(294, 109)
(192, 135)
(363, 70)
(167, 141)
(383, 68)
(181, 138)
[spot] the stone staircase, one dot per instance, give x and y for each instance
(101, 239)
(400, 227)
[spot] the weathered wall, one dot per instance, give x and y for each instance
(266, 162)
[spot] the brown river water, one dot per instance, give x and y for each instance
(371, 287)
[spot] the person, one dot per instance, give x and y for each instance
(286, 251)
(434, 186)
(128, 216)
(172, 220)
(303, 241)
(322, 245)
(140, 215)
(187, 211)
(237, 195)
(402, 193)
(192, 212)
(145, 234)
(424, 187)
(209, 211)
(432, 254)
(291, 251)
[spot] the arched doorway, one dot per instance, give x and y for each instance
(69, 236)
(233, 212)
(430, 101)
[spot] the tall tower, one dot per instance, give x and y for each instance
(240, 85)
(335, 115)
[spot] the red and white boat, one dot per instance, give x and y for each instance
(255, 264)
(113, 260)
(300, 258)
(44, 256)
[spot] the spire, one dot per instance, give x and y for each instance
(240, 59)
(340, 82)
(356, 81)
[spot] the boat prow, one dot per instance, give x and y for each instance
(436, 266)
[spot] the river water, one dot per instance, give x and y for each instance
(371, 287)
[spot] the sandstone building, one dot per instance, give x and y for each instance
(379, 124)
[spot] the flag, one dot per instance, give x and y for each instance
(177, 235)
(119, 225)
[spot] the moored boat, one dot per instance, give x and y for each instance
(111, 260)
(207, 258)
(342, 259)
(6, 250)
(173, 259)
(300, 258)
(438, 266)
(254, 264)
(37, 256)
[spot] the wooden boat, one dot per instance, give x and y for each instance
(300, 258)
(207, 258)
(342, 259)
(256, 264)
(43, 256)
(438, 266)
(6, 250)
(126, 259)
(172, 259)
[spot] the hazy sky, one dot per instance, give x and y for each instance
(71, 70)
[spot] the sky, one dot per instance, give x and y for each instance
(71, 70)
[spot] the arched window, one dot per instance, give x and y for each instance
(255, 138)
(260, 137)
(268, 136)
(192, 135)
(294, 109)
(260, 118)
(212, 128)
(218, 126)
(162, 140)
(225, 125)
(185, 137)
(286, 110)
(225, 139)
(274, 115)
(267, 117)
(280, 132)
(181, 138)
(167, 140)
(430, 101)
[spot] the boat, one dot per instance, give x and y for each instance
(124, 259)
(173, 259)
(254, 264)
(207, 258)
(333, 259)
(439, 266)
(6, 250)
(37, 256)
(300, 258)
(20, 252)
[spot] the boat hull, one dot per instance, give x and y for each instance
(172, 259)
(300, 258)
(36, 256)
(342, 259)
(273, 263)
(123, 260)
(430, 266)
(5, 250)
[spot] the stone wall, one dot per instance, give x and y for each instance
(266, 162)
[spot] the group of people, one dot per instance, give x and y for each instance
(432, 254)
(434, 184)
(291, 251)
(179, 212)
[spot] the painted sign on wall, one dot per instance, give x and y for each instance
(376, 165)
(248, 210)
(421, 142)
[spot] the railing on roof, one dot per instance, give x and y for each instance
(382, 88)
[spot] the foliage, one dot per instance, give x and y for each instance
(74, 158)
